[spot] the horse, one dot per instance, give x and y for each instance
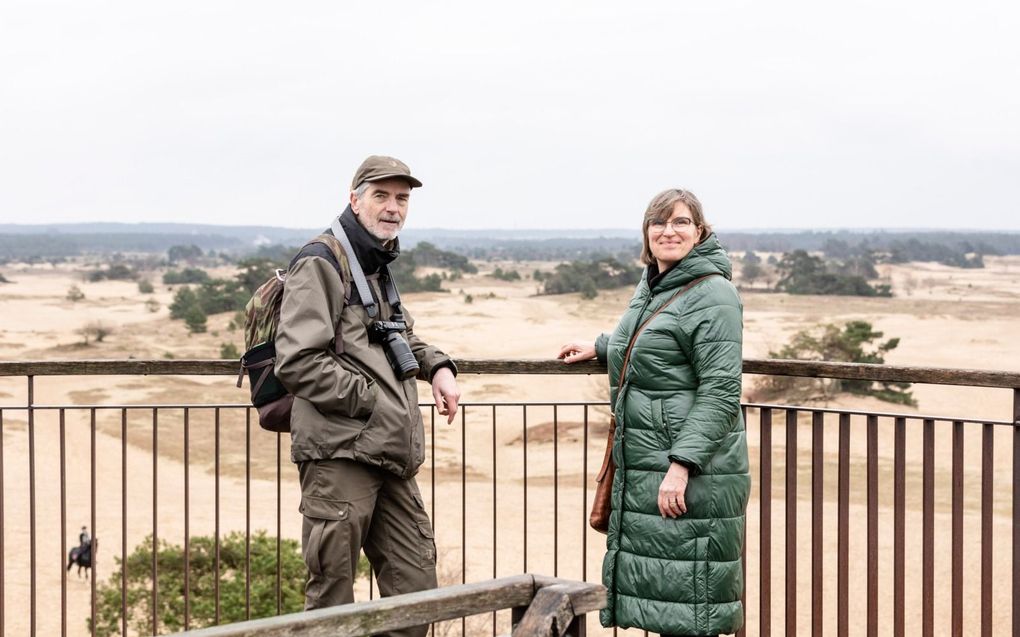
(82, 556)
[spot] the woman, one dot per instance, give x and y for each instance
(672, 563)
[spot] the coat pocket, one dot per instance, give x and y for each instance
(661, 424)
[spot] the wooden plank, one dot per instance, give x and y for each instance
(809, 369)
(550, 613)
(387, 613)
(585, 598)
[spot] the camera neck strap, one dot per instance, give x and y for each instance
(360, 282)
(392, 296)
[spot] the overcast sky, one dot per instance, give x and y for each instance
(515, 115)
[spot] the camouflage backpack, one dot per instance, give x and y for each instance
(261, 320)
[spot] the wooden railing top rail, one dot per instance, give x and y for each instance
(425, 607)
(772, 367)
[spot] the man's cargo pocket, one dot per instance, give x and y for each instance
(325, 536)
(428, 544)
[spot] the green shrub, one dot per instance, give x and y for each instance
(145, 286)
(201, 584)
(851, 343)
(187, 275)
(195, 319)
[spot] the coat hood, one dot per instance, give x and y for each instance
(708, 257)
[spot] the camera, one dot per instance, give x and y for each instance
(398, 352)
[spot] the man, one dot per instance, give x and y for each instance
(356, 431)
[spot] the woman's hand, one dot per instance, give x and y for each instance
(672, 491)
(577, 352)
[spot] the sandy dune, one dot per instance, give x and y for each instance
(945, 317)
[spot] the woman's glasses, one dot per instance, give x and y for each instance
(679, 224)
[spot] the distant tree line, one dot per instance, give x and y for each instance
(878, 241)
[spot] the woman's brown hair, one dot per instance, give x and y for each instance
(661, 209)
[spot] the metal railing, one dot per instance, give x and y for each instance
(508, 488)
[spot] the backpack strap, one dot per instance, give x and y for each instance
(356, 272)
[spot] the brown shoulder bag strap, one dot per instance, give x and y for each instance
(637, 332)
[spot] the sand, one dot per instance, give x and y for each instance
(945, 317)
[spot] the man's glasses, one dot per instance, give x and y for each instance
(679, 224)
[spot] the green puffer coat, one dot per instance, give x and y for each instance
(680, 401)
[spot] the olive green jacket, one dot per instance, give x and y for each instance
(681, 402)
(350, 405)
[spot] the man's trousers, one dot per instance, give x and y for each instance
(348, 506)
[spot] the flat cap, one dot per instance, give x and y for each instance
(379, 167)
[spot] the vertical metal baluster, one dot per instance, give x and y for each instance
(495, 545)
(765, 539)
(987, 511)
(872, 526)
(463, 507)
(899, 525)
(247, 513)
(279, 552)
(123, 522)
(957, 522)
(928, 532)
(432, 487)
(63, 526)
(92, 517)
(843, 529)
(31, 501)
(791, 521)
(216, 519)
(3, 564)
(155, 534)
(525, 517)
(187, 520)
(742, 631)
(584, 500)
(1016, 511)
(817, 516)
(556, 493)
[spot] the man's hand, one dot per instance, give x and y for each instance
(576, 352)
(673, 490)
(446, 393)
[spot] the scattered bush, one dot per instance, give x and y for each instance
(187, 275)
(115, 272)
(201, 583)
(506, 275)
(97, 330)
(601, 274)
(851, 344)
(183, 253)
(803, 273)
(74, 294)
(152, 305)
(145, 286)
(229, 350)
(195, 319)
(184, 300)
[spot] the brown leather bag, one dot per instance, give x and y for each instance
(601, 507)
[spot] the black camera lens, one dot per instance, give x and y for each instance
(399, 354)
